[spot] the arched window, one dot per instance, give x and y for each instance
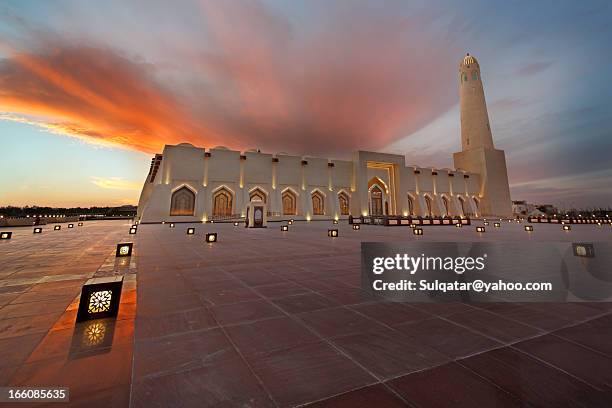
(446, 205)
(463, 211)
(343, 200)
(410, 205)
(257, 194)
(474, 75)
(289, 203)
(318, 203)
(182, 202)
(464, 77)
(222, 203)
(376, 201)
(429, 206)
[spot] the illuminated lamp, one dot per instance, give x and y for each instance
(458, 225)
(529, 228)
(38, 230)
(212, 221)
(412, 226)
(480, 229)
(284, 228)
(417, 231)
(6, 235)
(190, 231)
(333, 233)
(497, 225)
(236, 223)
(335, 221)
(599, 224)
(584, 250)
(100, 298)
(211, 237)
(57, 227)
(171, 225)
(80, 224)
(486, 223)
(290, 222)
(124, 249)
(133, 231)
(567, 227)
(356, 227)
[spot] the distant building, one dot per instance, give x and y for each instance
(188, 183)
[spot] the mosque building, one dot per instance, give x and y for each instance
(193, 184)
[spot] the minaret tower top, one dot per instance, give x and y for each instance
(475, 127)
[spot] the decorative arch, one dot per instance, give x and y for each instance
(258, 194)
(289, 200)
(410, 204)
(182, 202)
(344, 203)
(464, 210)
(474, 75)
(376, 200)
(318, 203)
(428, 205)
(476, 205)
(223, 200)
(446, 204)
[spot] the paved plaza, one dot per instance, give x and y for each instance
(265, 318)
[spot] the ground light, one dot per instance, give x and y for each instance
(332, 233)
(583, 250)
(171, 225)
(497, 225)
(284, 228)
(100, 298)
(458, 225)
(529, 228)
(480, 229)
(70, 225)
(132, 230)
(190, 231)
(6, 235)
(235, 223)
(211, 237)
(567, 227)
(290, 222)
(335, 221)
(37, 230)
(486, 223)
(124, 249)
(356, 227)
(80, 224)
(417, 231)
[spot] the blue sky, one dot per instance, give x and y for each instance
(88, 92)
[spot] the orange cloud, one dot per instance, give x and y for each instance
(361, 80)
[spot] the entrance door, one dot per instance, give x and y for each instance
(258, 216)
(376, 200)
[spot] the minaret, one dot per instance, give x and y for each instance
(475, 127)
(478, 154)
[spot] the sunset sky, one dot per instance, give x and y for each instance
(90, 90)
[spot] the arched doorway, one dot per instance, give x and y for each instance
(257, 194)
(376, 200)
(289, 200)
(182, 202)
(222, 203)
(463, 209)
(476, 205)
(410, 205)
(343, 200)
(446, 206)
(318, 203)
(428, 206)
